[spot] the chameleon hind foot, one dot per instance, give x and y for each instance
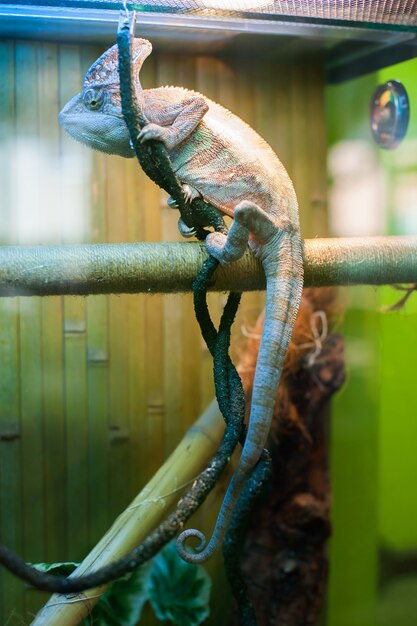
(255, 220)
(228, 248)
(186, 231)
(262, 225)
(248, 219)
(189, 194)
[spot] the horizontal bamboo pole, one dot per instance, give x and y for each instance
(171, 267)
(146, 511)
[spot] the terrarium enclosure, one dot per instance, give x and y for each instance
(97, 391)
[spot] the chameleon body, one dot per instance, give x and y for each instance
(219, 157)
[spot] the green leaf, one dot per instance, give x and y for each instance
(56, 569)
(178, 591)
(123, 602)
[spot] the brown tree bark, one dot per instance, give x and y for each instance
(284, 555)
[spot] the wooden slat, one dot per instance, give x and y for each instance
(10, 455)
(74, 341)
(50, 314)
(98, 415)
(300, 170)
(11, 593)
(317, 153)
(118, 418)
(7, 128)
(52, 362)
(76, 424)
(97, 344)
(54, 459)
(155, 401)
(30, 312)
(137, 333)
(279, 133)
(52, 357)
(118, 424)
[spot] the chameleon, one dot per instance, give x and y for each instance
(220, 158)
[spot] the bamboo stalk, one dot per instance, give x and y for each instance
(145, 512)
(171, 267)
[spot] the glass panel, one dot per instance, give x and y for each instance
(373, 574)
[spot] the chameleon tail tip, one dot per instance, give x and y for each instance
(186, 555)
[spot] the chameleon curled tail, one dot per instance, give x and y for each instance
(281, 257)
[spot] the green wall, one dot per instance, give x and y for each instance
(374, 421)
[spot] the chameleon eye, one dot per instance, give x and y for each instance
(93, 99)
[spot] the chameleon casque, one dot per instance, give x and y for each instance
(220, 158)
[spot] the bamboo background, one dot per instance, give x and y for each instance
(96, 392)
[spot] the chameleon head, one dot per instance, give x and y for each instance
(94, 116)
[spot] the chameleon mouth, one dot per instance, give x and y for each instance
(86, 140)
(94, 141)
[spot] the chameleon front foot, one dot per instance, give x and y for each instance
(186, 231)
(189, 194)
(155, 132)
(172, 203)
